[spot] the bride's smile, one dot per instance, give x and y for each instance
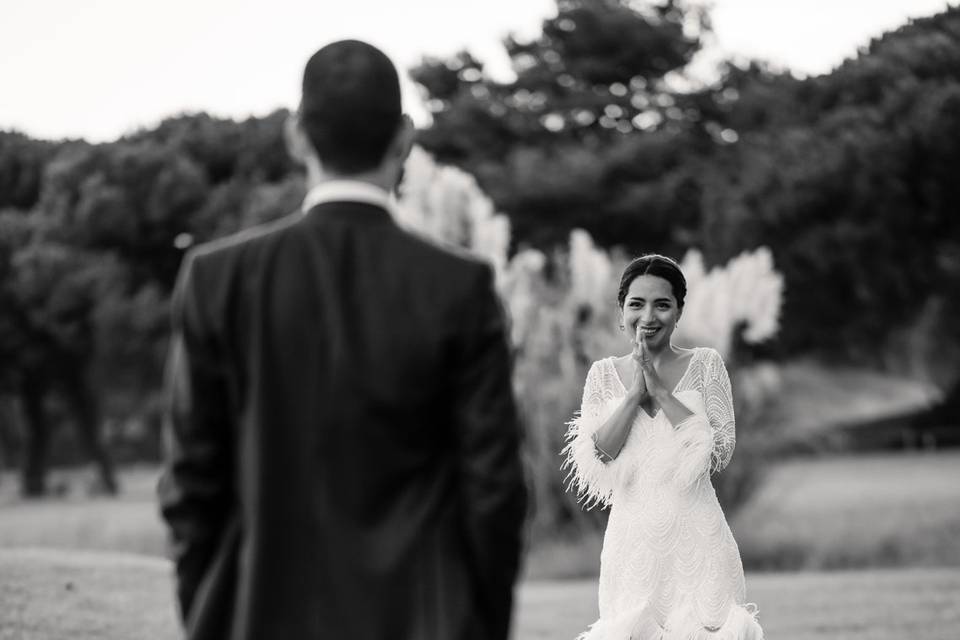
(651, 311)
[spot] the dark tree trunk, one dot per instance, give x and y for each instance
(37, 439)
(87, 415)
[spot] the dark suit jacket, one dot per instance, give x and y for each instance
(343, 444)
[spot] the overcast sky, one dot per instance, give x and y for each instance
(98, 68)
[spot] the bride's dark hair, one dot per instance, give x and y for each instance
(654, 264)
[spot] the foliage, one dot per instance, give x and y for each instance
(849, 187)
(556, 146)
(22, 162)
(92, 238)
(446, 204)
(855, 201)
(741, 299)
(846, 177)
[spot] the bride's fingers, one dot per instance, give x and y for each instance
(646, 364)
(645, 358)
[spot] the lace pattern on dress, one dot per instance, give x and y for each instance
(711, 379)
(670, 568)
(594, 480)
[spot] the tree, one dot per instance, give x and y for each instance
(89, 257)
(22, 162)
(49, 292)
(589, 133)
(844, 176)
(852, 189)
(131, 198)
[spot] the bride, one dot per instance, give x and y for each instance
(652, 427)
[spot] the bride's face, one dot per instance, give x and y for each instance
(651, 307)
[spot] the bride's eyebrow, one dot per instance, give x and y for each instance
(639, 299)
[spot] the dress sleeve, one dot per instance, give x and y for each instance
(592, 479)
(718, 399)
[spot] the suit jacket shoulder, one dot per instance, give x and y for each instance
(211, 272)
(236, 243)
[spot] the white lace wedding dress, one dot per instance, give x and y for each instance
(670, 568)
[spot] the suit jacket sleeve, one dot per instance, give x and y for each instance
(488, 435)
(195, 490)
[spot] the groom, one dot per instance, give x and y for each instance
(343, 440)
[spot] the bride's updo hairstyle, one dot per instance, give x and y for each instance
(654, 264)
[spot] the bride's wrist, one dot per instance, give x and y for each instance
(660, 394)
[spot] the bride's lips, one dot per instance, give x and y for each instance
(649, 331)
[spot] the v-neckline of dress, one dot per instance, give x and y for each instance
(686, 372)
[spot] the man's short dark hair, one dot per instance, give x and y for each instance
(350, 108)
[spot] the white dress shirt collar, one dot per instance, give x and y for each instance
(348, 191)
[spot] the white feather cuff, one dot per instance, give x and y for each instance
(592, 479)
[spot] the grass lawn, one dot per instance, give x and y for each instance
(49, 595)
(129, 523)
(915, 604)
(838, 512)
(900, 509)
(61, 575)
(54, 595)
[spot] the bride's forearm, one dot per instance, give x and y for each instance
(675, 410)
(609, 439)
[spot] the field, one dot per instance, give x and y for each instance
(837, 512)
(49, 595)
(864, 511)
(129, 523)
(889, 526)
(915, 604)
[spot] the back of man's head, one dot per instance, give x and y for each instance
(350, 108)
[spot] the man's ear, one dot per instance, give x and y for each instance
(403, 141)
(298, 144)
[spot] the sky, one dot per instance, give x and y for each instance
(99, 68)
